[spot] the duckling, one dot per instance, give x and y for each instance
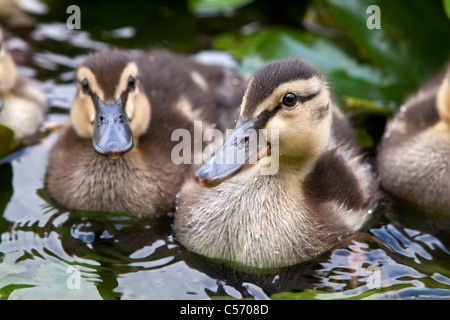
(321, 192)
(22, 105)
(414, 155)
(115, 153)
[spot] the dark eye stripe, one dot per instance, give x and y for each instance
(303, 99)
(267, 114)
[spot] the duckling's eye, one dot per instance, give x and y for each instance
(131, 83)
(85, 86)
(289, 99)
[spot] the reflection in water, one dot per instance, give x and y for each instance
(394, 262)
(116, 244)
(130, 258)
(403, 255)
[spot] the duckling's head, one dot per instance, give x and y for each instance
(291, 100)
(110, 106)
(8, 70)
(443, 98)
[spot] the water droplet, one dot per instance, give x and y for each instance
(370, 211)
(277, 250)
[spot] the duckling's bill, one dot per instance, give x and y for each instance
(112, 134)
(246, 145)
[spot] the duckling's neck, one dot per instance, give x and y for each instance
(282, 168)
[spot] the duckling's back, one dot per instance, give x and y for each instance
(190, 91)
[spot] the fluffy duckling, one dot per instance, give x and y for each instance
(22, 105)
(414, 155)
(264, 218)
(115, 154)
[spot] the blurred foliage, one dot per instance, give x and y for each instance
(214, 7)
(447, 7)
(370, 68)
(384, 64)
(183, 26)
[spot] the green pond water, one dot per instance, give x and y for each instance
(47, 252)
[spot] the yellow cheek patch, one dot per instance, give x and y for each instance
(82, 115)
(299, 137)
(138, 112)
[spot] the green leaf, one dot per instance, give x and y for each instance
(402, 49)
(216, 6)
(384, 64)
(347, 76)
(373, 107)
(447, 7)
(6, 141)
